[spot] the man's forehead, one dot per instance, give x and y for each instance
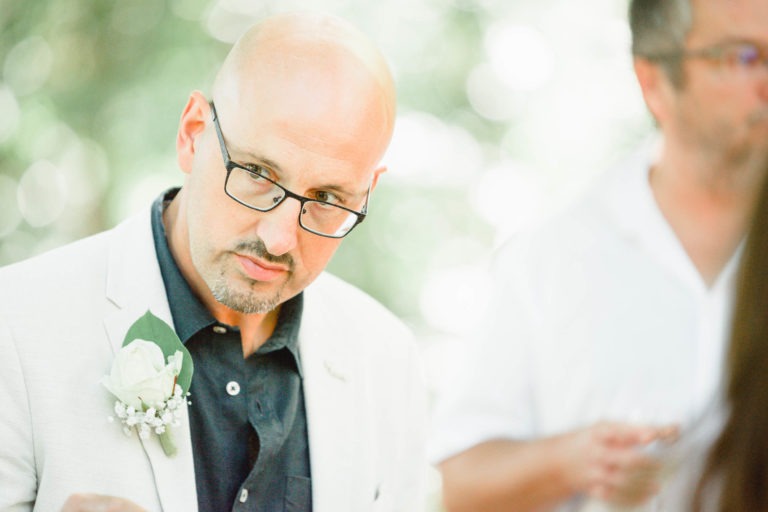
(308, 62)
(738, 15)
(302, 118)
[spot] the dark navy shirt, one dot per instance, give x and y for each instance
(247, 418)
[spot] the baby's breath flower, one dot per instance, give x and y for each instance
(162, 408)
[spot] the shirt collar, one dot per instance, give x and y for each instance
(190, 315)
(632, 204)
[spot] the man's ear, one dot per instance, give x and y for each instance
(378, 172)
(655, 86)
(192, 124)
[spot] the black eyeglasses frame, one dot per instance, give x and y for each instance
(230, 165)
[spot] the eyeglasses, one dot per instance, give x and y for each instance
(741, 58)
(252, 188)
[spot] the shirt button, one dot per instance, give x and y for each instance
(219, 329)
(233, 388)
(243, 495)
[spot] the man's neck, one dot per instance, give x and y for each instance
(708, 208)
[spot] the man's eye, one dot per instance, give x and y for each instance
(327, 197)
(257, 172)
(746, 55)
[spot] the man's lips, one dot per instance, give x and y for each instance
(260, 270)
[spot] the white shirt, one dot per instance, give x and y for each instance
(598, 315)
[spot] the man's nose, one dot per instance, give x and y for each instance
(278, 228)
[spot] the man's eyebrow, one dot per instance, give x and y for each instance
(248, 157)
(735, 40)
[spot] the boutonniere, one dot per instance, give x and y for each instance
(150, 377)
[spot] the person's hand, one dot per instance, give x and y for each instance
(99, 503)
(606, 461)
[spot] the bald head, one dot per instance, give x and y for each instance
(315, 63)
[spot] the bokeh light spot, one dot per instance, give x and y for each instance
(28, 65)
(520, 56)
(42, 193)
(10, 216)
(427, 151)
(9, 120)
(509, 197)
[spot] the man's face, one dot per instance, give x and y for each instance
(313, 143)
(720, 110)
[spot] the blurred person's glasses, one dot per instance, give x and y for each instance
(251, 187)
(737, 57)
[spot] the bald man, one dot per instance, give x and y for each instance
(305, 393)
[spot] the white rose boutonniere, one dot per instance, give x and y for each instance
(140, 377)
(150, 377)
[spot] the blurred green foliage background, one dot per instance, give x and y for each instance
(507, 108)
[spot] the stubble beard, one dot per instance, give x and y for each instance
(734, 156)
(247, 303)
(743, 162)
(240, 293)
(755, 157)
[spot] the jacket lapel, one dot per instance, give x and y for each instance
(135, 285)
(337, 455)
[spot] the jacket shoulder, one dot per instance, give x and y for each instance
(346, 307)
(71, 266)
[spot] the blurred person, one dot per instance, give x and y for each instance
(734, 475)
(305, 393)
(606, 328)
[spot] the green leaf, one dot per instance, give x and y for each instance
(151, 328)
(166, 441)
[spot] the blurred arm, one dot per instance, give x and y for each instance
(504, 475)
(601, 461)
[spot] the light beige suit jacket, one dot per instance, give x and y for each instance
(65, 313)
